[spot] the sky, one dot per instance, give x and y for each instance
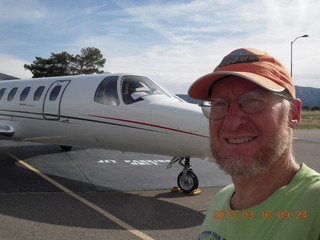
(173, 42)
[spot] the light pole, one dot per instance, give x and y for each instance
(303, 36)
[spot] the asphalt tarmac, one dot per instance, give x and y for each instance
(99, 194)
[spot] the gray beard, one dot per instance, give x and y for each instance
(248, 166)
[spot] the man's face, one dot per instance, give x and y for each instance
(245, 144)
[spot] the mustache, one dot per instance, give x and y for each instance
(243, 130)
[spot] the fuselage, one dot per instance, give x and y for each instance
(113, 111)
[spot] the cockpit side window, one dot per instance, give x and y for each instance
(135, 88)
(107, 92)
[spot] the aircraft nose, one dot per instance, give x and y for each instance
(182, 116)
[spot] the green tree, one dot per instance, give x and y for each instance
(60, 64)
(88, 61)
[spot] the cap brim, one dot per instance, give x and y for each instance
(201, 87)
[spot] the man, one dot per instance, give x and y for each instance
(252, 114)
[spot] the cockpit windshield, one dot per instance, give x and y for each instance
(134, 88)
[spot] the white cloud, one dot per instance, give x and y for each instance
(267, 25)
(175, 42)
(21, 11)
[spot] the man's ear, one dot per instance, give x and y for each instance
(295, 113)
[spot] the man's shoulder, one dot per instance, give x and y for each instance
(306, 190)
(309, 171)
(225, 193)
(311, 184)
(309, 178)
(226, 190)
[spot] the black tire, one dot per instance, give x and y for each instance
(189, 183)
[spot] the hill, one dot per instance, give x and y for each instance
(309, 96)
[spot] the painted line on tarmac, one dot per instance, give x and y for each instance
(84, 201)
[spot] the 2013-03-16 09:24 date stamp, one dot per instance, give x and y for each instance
(249, 214)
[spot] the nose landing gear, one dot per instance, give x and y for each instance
(187, 179)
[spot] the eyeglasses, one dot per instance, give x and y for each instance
(249, 102)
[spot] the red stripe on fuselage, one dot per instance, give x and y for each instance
(150, 125)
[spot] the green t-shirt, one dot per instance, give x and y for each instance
(292, 212)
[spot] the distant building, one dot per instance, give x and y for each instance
(6, 77)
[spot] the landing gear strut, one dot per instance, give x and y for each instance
(187, 179)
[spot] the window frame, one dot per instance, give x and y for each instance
(12, 94)
(55, 93)
(38, 93)
(107, 92)
(2, 92)
(24, 94)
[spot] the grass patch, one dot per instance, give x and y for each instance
(310, 120)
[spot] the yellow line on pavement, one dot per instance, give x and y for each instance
(84, 201)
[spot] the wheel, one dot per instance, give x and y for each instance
(189, 182)
(65, 148)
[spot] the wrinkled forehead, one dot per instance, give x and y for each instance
(233, 86)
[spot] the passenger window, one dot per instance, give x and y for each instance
(107, 92)
(37, 95)
(12, 93)
(2, 92)
(54, 93)
(24, 94)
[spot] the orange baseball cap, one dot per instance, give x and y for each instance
(252, 64)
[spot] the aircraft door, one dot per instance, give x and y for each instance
(52, 100)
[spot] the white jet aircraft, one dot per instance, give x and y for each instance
(124, 112)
